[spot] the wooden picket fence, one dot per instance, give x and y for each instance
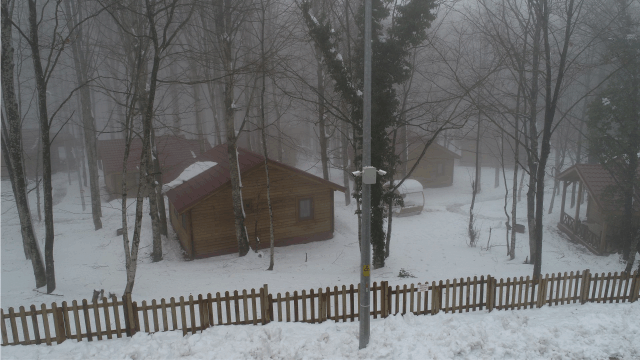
(111, 318)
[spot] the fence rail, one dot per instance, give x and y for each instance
(113, 317)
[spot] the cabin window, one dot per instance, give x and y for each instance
(305, 208)
(440, 169)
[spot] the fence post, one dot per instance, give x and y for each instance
(266, 306)
(59, 323)
(585, 286)
(384, 304)
(130, 321)
(436, 298)
(489, 294)
(540, 298)
(634, 293)
(204, 313)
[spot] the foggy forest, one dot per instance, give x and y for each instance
(157, 148)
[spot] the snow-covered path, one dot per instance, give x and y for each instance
(590, 331)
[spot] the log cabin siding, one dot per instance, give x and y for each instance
(184, 235)
(427, 171)
(213, 217)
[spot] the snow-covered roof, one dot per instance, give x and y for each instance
(192, 170)
(190, 192)
(409, 186)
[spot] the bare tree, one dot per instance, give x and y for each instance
(12, 149)
(81, 65)
(229, 20)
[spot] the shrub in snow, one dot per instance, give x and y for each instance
(405, 274)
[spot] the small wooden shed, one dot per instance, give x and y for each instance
(592, 228)
(201, 209)
(436, 168)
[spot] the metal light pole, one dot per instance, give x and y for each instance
(363, 316)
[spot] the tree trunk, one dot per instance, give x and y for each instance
(533, 156)
(131, 253)
(264, 139)
(476, 186)
(521, 184)
(234, 171)
(76, 157)
(477, 163)
(82, 161)
(322, 138)
(41, 89)
(26, 247)
(12, 149)
(148, 161)
(89, 130)
(175, 101)
(279, 129)
(156, 198)
(559, 157)
(200, 125)
(516, 168)
(37, 181)
(345, 158)
(551, 101)
(67, 161)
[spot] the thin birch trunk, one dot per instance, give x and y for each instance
(41, 89)
(200, 126)
(533, 156)
(89, 128)
(322, 136)
(38, 207)
(279, 137)
(517, 146)
(345, 157)
(80, 189)
(7, 159)
(264, 139)
(175, 101)
(234, 171)
(12, 150)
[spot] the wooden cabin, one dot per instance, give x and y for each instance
(490, 150)
(436, 168)
(596, 227)
(202, 215)
(173, 152)
(64, 147)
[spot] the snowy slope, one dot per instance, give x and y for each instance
(431, 246)
(590, 331)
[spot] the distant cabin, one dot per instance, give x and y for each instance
(173, 152)
(490, 150)
(202, 215)
(64, 147)
(598, 230)
(436, 168)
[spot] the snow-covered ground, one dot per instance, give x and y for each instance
(431, 246)
(591, 331)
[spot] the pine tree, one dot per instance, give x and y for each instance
(613, 134)
(395, 30)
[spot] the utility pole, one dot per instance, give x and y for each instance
(363, 313)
